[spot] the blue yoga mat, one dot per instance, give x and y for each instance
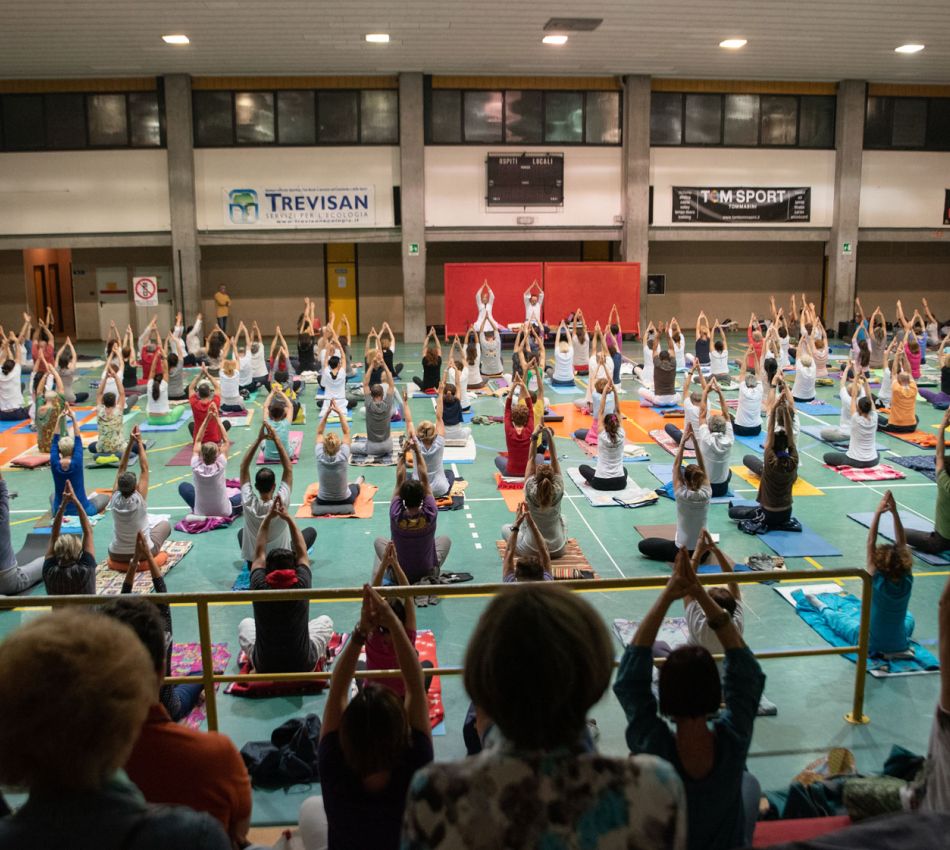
(9, 424)
(145, 427)
(754, 443)
(816, 409)
(714, 568)
(799, 544)
(909, 521)
(663, 472)
(573, 389)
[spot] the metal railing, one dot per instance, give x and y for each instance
(204, 601)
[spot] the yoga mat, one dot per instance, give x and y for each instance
(800, 488)
(924, 464)
(565, 390)
(667, 530)
(296, 441)
(631, 453)
(182, 457)
(668, 444)
(460, 454)
(146, 427)
(922, 663)
(663, 472)
(917, 438)
(799, 544)
(10, 424)
(814, 431)
(371, 460)
(238, 421)
(633, 494)
(818, 408)
(362, 507)
(573, 564)
(467, 415)
(92, 426)
(109, 581)
(186, 659)
(33, 547)
(756, 443)
(513, 496)
(909, 521)
(881, 472)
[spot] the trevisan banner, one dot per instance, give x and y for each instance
(299, 206)
(728, 204)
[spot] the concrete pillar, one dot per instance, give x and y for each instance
(635, 241)
(186, 258)
(412, 194)
(842, 249)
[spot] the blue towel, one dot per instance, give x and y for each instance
(243, 580)
(818, 409)
(754, 443)
(849, 606)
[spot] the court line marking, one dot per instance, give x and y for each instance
(597, 538)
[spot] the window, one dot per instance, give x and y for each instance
(741, 120)
(523, 117)
(297, 117)
(145, 120)
(65, 121)
(254, 118)
(214, 119)
(23, 122)
(603, 118)
(907, 123)
(564, 117)
(379, 117)
(338, 117)
(703, 119)
(482, 114)
(108, 120)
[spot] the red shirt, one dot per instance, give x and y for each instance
(146, 358)
(199, 410)
(518, 444)
(175, 765)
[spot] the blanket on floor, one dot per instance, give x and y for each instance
(924, 464)
(109, 581)
(571, 566)
(186, 660)
(668, 444)
(881, 472)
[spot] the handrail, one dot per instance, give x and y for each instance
(203, 601)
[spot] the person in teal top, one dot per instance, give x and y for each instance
(279, 409)
(891, 586)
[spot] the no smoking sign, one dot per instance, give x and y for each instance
(145, 290)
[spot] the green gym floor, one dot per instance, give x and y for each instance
(812, 694)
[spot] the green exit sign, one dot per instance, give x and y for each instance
(413, 249)
(847, 247)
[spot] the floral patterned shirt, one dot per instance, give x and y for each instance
(557, 800)
(111, 437)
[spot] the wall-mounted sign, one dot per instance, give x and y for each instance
(727, 204)
(145, 291)
(656, 284)
(261, 207)
(525, 180)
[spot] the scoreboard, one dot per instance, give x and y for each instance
(525, 180)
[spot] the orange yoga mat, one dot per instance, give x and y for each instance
(362, 507)
(513, 496)
(637, 421)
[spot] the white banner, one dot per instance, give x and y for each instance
(145, 291)
(300, 207)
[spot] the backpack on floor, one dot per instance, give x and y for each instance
(288, 758)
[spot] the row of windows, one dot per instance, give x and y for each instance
(523, 117)
(338, 117)
(74, 121)
(742, 120)
(908, 123)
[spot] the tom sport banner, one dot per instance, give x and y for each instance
(300, 206)
(726, 204)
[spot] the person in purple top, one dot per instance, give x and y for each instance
(412, 522)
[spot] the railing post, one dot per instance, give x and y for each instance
(207, 666)
(857, 716)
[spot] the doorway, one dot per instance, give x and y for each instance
(52, 293)
(342, 286)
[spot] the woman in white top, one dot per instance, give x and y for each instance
(333, 376)
(580, 343)
(719, 355)
(207, 493)
(803, 389)
(157, 394)
(456, 373)
(259, 371)
(862, 446)
(692, 491)
(645, 372)
(130, 509)
(748, 420)
(562, 374)
(473, 361)
(489, 350)
(887, 375)
(678, 344)
(610, 473)
(842, 434)
(230, 380)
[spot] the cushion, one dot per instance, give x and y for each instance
(121, 566)
(317, 509)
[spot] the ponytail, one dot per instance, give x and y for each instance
(544, 479)
(156, 387)
(612, 426)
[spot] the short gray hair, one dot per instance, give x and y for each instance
(717, 424)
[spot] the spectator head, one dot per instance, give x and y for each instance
(331, 443)
(209, 453)
(519, 415)
(104, 695)
(67, 549)
(126, 483)
(717, 424)
(204, 389)
(412, 493)
(109, 400)
(689, 684)
(892, 561)
(376, 392)
(426, 432)
(538, 651)
(264, 481)
(142, 616)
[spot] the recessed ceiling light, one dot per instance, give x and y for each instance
(378, 37)
(554, 39)
(176, 39)
(733, 43)
(909, 48)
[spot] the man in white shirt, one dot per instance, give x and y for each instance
(532, 305)
(129, 507)
(259, 498)
(716, 440)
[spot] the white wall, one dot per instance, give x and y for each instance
(84, 192)
(743, 167)
(903, 188)
(457, 182)
(231, 168)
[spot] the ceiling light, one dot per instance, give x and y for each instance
(733, 43)
(909, 48)
(554, 39)
(176, 39)
(378, 37)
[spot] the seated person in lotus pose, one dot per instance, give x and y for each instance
(903, 406)
(207, 493)
(430, 440)
(66, 360)
(663, 392)
(519, 426)
(609, 473)
(562, 372)
(203, 394)
(157, 407)
(862, 449)
(448, 409)
(710, 757)
(716, 440)
(70, 565)
(66, 463)
(281, 412)
(891, 584)
(937, 541)
(521, 567)
(14, 577)
(129, 507)
(11, 391)
(333, 459)
(110, 413)
(490, 346)
(431, 363)
(378, 401)
(281, 637)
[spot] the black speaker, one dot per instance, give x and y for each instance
(397, 206)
